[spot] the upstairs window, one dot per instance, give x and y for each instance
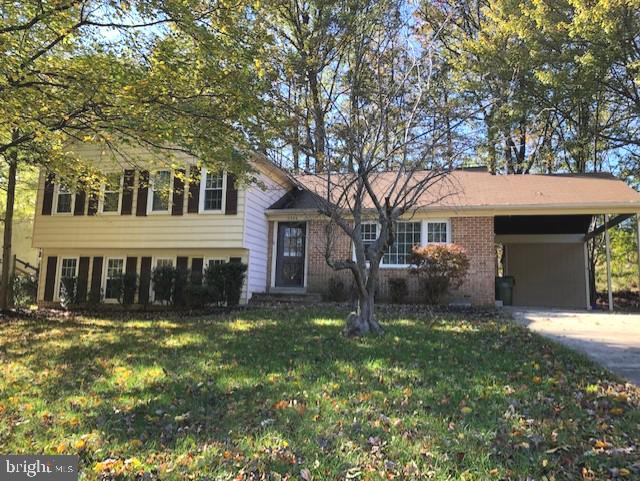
(111, 193)
(160, 191)
(115, 269)
(64, 199)
(212, 193)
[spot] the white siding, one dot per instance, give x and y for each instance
(256, 230)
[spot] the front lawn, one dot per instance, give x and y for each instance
(281, 395)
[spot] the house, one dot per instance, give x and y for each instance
(147, 217)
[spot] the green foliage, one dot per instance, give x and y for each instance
(196, 296)
(25, 290)
(224, 282)
(163, 280)
(440, 267)
(124, 287)
(398, 290)
(68, 292)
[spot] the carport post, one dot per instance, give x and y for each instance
(638, 247)
(608, 249)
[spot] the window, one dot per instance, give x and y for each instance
(111, 193)
(64, 199)
(212, 193)
(165, 262)
(369, 234)
(160, 190)
(115, 269)
(214, 262)
(407, 236)
(437, 232)
(68, 270)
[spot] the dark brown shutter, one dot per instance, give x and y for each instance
(127, 192)
(92, 208)
(132, 264)
(194, 190)
(78, 208)
(50, 280)
(143, 190)
(83, 279)
(235, 260)
(96, 278)
(145, 280)
(177, 206)
(182, 264)
(196, 270)
(47, 198)
(231, 205)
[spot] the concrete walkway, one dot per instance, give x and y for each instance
(611, 339)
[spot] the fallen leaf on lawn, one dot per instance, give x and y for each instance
(616, 411)
(305, 474)
(466, 410)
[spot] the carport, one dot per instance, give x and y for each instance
(547, 256)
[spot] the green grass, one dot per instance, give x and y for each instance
(281, 395)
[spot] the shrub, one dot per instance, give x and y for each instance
(234, 278)
(440, 267)
(180, 283)
(336, 290)
(196, 296)
(163, 279)
(398, 290)
(214, 279)
(25, 289)
(68, 292)
(224, 282)
(124, 288)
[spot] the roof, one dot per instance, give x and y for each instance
(477, 190)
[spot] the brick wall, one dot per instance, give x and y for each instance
(475, 234)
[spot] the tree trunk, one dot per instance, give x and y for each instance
(5, 288)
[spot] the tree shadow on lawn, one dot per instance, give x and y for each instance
(259, 393)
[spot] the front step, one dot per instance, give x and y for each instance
(281, 298)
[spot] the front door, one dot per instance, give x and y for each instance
(290, 254)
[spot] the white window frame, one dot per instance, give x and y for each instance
(423, 237)
(105, 273)
(154, 264)
(425, 231)
(150, 190)
(56, 191)
(203, 184)
(103, 188)
(59, 274)
(208, 259)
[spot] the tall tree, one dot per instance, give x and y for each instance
(174, 76)
(383, 152)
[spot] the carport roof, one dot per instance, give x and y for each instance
(464, 190)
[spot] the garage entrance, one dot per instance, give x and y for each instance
(547, 257)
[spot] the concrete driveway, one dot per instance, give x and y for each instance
(611, 339)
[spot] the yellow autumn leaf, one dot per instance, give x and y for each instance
(80, 444)
(61, 447)
(466, 410)
(616, 411)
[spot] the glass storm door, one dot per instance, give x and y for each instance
(290, 254)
